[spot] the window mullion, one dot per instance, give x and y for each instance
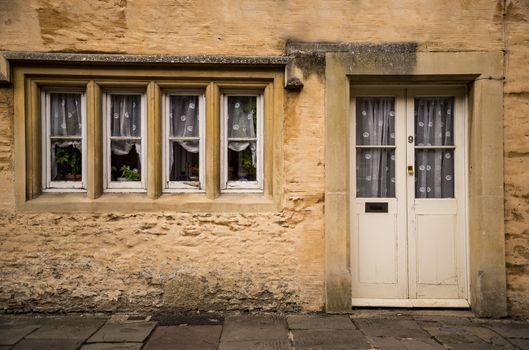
(212, 168)
(154, 141)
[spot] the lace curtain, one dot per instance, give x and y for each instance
(434, 174)
(65, 121)
(375, 167)
(125, 123)
(184, 122)
(242, 124)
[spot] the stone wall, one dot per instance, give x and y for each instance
(262, 261)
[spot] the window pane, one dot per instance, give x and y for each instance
(65, 114)
(375, 172)
(434, 121)
(434, 175)
(183, 116)
(242, 161)
(125, 161)
(242, 116)
(66, 160)
(184, 160)
(125, 115)
(375, 120)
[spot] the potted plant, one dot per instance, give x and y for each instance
(128, 174)
(68, 161)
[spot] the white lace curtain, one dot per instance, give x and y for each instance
(434, 126)
(375, 126)
(241, 124)
(184, 123)
(125, 123)
(65, 121)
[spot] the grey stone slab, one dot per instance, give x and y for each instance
(319, 322)
(67, 328)
(329, 339)
(390, 343)
(512, 329)
(443, 320)
(10, 335)
(480, 347)
(184, 338)
(397, 328)
(256, 345)
(112, 346)
(246, 328)
(454, 335)
(5, 347)
(48, 344)
(123, 332)
(521, 343)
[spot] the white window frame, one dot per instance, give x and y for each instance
(61, 186)
(241, 186)
(124, 186)
(181, 186)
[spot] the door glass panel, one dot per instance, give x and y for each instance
(375, 172)
(434, 175)
(434, 124)
(375, 120)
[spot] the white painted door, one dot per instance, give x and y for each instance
(408, 197)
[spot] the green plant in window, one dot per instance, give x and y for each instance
(130, 174)
(246, 162)
(68, 161)
(250, 106)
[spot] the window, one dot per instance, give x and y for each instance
(64, 151)
(125, 141)
(183, 148)
(242, 141)
(176, 139)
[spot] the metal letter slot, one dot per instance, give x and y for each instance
(376, 207)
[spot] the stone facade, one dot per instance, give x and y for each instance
(254, 261)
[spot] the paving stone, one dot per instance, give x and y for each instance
(390, 343)
(184, 338)
(453, 335)
(48, 344)
(131, 332)
(256, 345)
(442, 320)
(67, 328)
(112, 346)
(319, 322)
(397, 328)
(521, 343)
(511, 329)
(246, 328)
(480, 347)
(329, 339)
(10, 335)
(5, 348)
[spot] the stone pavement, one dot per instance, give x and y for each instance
(362, 329)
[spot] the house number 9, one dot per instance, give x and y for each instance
(410, 139)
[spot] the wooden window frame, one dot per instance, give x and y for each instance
(61, 186)
(31, 79)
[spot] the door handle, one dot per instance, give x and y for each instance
(410, 170)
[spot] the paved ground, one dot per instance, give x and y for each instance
(363, 329)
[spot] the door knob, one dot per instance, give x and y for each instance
(410, 170)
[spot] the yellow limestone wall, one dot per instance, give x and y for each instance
(267, 261)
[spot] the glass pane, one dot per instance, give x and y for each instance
(242, 161)
(375, 120)
(434, 121)
(184, 162)
(183, 116)
(242, 116)
(65, 114)
(66, 160)
(125, 114)
(375, 172)
(434, 174)
(125, 161)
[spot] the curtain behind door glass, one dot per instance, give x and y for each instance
(375, 166)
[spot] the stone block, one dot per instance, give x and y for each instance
(74, 328)
(130, 332)
(256, 345)
(404, 344)
(184, 338)
(398, 328)
(48, 344)
(319, 322)
(11, 334)
(521, 343)
(453, 335)
(247, 328)
(329, 339)
(112, 346)
(512, 329)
